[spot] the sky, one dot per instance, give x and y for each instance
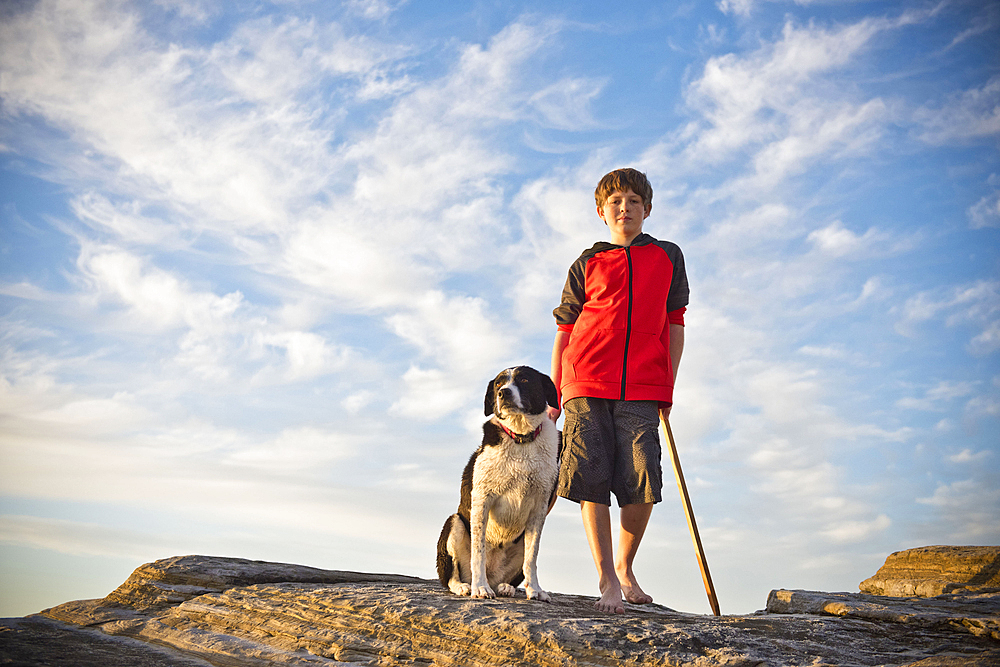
(259, 260)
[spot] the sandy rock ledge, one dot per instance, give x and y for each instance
(197, 610)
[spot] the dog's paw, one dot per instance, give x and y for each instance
(506, 590)
(462, 589)
(536, 594)
(483, 591)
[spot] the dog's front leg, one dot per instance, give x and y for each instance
(479, 515)
(532, 537)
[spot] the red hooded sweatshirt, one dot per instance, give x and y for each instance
(618, 304)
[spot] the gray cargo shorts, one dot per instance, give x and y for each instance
(611, 446)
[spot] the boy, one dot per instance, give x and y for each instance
(620, 338)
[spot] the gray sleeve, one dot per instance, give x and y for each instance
(573, 294)
(680, 293)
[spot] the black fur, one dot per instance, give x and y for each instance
(491, 397)
(445, 563)
(492, 434)
(465, 500)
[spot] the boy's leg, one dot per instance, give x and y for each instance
(638, 483)
(597, 524)
(634, 519)
(585, 476)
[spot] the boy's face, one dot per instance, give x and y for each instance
(623, 213)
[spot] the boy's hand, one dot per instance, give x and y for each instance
(665, 413)
(553, 413)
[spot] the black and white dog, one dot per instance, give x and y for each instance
(491, 544)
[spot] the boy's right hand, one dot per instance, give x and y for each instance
(553, 413)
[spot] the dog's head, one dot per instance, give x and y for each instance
(520, 390)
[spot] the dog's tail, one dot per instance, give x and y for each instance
(445, 563)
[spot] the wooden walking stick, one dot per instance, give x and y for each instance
(706, 576)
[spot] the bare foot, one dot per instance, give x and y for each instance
(631, 591)
(635, 595)
(611, 600)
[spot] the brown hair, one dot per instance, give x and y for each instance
(621, 180)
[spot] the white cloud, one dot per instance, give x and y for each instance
(356, 402)
(125, 221)
(937, 398)
(826, 352)
(454, 330)
(338, 256)
(836, 241)
(60, 444)
(750, 101)
(949, 390)
(987, 341)
(983, 24)
(275, 62)
(81, 538)
(429, 394)
(713, 34)
(557, 221)
(227, 140)
(306, 355)
(461, 342)
(968, 508)
(197, 10)
(220, 337)
(300, 451)
(217, 136)
(737, 7)
(429, 152)
(786, 103)
(96, 415)
(968, 456)
(856, 531)
(983, 406)
(426, 197)
(375, 9)
(760, 225)
(157, 298)
(963, 116)
(986, 212)
(565, 104)
(874, 290)
(976, 304)
(815, 132)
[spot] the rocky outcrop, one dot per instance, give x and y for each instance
(932, 571)
(977, 614)
(219, 611)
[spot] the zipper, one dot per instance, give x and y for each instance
(628, 323)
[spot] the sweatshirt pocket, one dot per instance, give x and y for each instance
(595, 357)
(648, 361)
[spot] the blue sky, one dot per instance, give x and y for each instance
(259, 261)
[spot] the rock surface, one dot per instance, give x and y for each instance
(27, 642)
(932, 571)
(197, 610)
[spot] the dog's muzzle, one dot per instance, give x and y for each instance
(507, 400)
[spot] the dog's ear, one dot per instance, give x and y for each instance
(491, 393)
(551, 393)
